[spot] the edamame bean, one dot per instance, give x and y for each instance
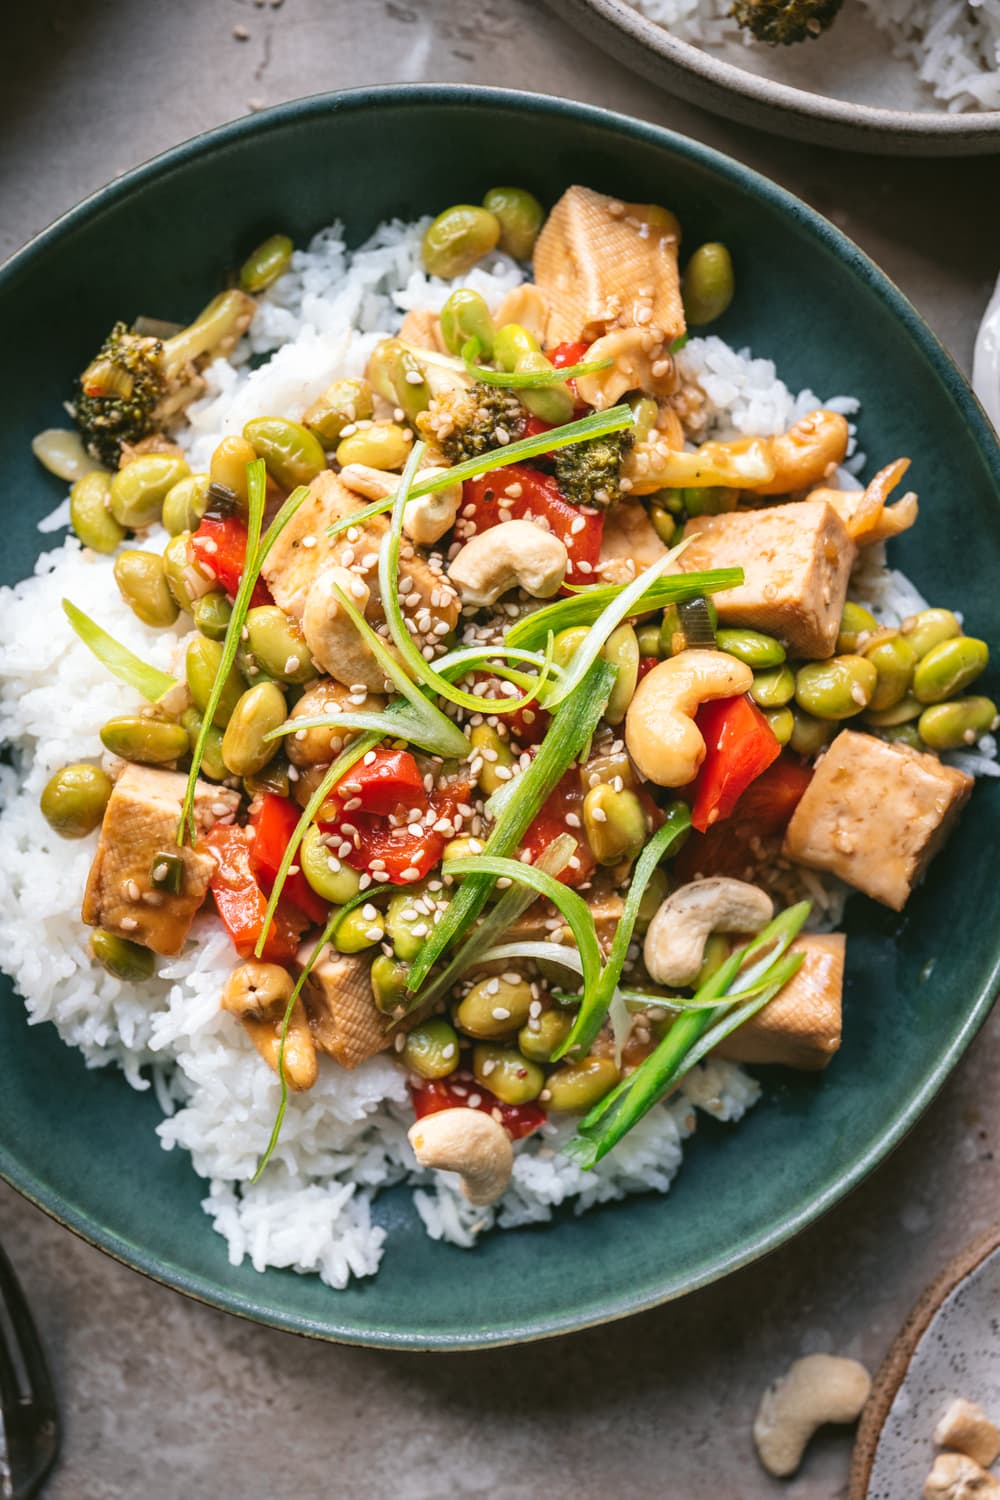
(245, 746)
(406, 927)
(578, 1086)
(329, 876)
(458, 238)
(388, 982)
(614, 769)
(645, 412)
(362, 928)
(567, 643)
(185, 504)
(138, 491)
(212, 614)
(511, 343)
(507, 1073)
(74, 800)
(540, 1036)
(894, 660)
(709, 500)
(275, 644)
(957, 725)
(90, 513)
(150, 742)
(494, 1007)
(465, 316)
(431, 1049)
(341, 405)
(185, 580)
(835, 689)
(128, 961)
(265, 264)
(773, 688)
(409, 383)
(809, 735)
(383, 445)
(753, 647)
(614, 823)
(856, 625)
(142, 583)
(551, 403)
(291, 453)
(648, 637)
(622, 651)
(929, 628)
(212, 764)
(782, 723)
(902, 712)
(228, 468)
(949, 668)
(708, 284)
(520, 216)
(663, 524)
(904, 734)
(201, 666)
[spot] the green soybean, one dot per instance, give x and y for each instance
(902, 712)
(292, 454)
(388, 981)
(810, 734)
(277, 646)
(126, 960)
(362, 928)
(835, 689)
(264, 265)
(958, 724)
(622, 650)
(431, 1049)
(856, 624)
(150, 742)
(201, 666)
(185, 580)
(142, 583)
(329, 876)
(663, 524)
(494, 1007)
(458, 238)
(782, 723)
(74, 800)
(341, 405)
(382, 445)
(466, 316)
(520, 216)
(615, 824)
(90, 513)
(245, 746)
(540, 1036)
(507, 1073)
(708, 284)
(949, 668)
(648, 638)
(893, 659)
(929, 628)
(212, 764)
(212, 613)
(139, 490)
(752, 647)
(773, 688)
(406, 926)
(185, 503)
(578, 1086)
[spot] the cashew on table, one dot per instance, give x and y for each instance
(515, 554)
(469, 1142)
(674, 945)
(660, 732)
(815, 1390)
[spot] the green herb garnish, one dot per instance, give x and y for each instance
(587, 604)
(119, 660)
(528, 380)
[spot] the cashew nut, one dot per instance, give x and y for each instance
(818, 1389)
(300, 1065)
(674, 948)
(660, 731)
(636, 354)
(957, 1477)
(511, 555)
(318, 747)
(966, 1426)
(426, 519)
(330, 633)
(469, 1142)
(257, 992)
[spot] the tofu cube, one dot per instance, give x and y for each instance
(800, 1027)
(875, 814)
(796, 561)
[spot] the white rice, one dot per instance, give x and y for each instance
(954, 45)
(346, 1138)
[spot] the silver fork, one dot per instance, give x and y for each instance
(29, 1421)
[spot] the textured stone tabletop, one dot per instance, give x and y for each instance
(168, 1399)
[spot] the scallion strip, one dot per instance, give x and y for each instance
(597, 424)
(532, 380)
(635, 1095)
(588, 604)
(119, 660)
(571, 728)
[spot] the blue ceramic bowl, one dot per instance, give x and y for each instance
(82, 1145)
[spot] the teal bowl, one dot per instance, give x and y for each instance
(82, 1145)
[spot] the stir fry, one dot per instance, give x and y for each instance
(515, 723)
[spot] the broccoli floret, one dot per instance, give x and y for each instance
(590, 473)
(136, 381)
(785, 21)
(468, 423)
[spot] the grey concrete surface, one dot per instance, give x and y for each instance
(168, 1399)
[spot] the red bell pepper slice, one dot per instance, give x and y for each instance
(273, 820)
(570, 353)
(487, 501)
(382, 782)
(550, 822)
(242, 904)
(762, 813)
(380, 846)
(646, 665)
(462, 1091)
(220, 545)
(739, 744)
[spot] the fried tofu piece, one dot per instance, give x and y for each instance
(796, 561)
(629, 542)
(345, 1021)
(139, 823)
(602, 264)
(800, 1027)
(875, 815)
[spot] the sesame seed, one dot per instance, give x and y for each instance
(500, 1013)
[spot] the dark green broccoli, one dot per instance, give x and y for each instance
(468, 423)
(590, 473)
(785, 21)
(136, 382)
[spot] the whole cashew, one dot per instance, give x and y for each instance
(674, 946)
(318, 747)
(957, 1477)
(469, 1142)
(330, 633)
(511, 555)
(300, 1063)
(635, 353)
(966, 1426)
(257, 992)
(818, 1389)
(660, 731)
(426, 519)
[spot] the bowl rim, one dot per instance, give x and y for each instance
(627, 1302)
(874, 121)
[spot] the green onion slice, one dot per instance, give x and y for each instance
(119, 660)
(597, 424)
(528, 380)
(588, 604)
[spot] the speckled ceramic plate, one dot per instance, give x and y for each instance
(82, 1144)
(848, 90)
(948, 1347)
